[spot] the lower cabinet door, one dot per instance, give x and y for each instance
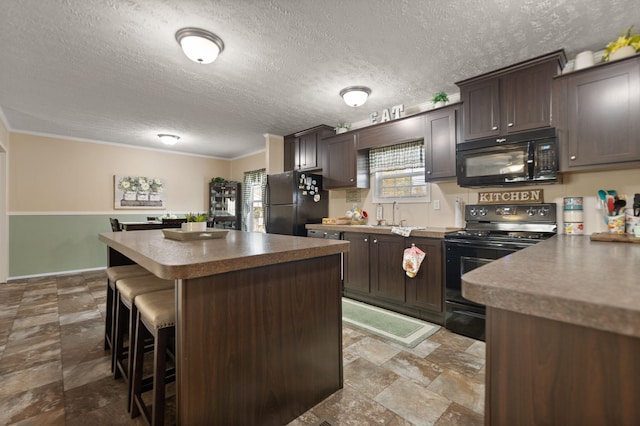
(425, 289)
(387, 275)
(356, 262)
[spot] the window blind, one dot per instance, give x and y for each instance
(255, 182)
(408, 155)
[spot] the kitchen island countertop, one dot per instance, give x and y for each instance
(172, 259)
(566, 278)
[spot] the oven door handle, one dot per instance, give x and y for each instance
(469, 313)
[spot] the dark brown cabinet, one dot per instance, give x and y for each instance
(303, 150)
(425, 289)
(385, 263)
(373, 265)
(391, 132)
(225, 205)
(290, 159)
(440, 137)
(356, 262)
(599, 111)
(373, 274)
(344, 167)
(510, 100)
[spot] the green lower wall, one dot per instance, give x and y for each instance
(48, 244)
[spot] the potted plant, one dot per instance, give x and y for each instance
(342, 127)
(626, 45)
(440, 99)
(196, 222)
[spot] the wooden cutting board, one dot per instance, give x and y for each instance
(618, 238)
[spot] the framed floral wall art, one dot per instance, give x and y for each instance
(139, 192)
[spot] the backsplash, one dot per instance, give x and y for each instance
(584, 185)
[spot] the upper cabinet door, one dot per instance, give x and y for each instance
(290, 153)
(481, 106)
(600, 118)
(340, 166)
(527, 98)
(510, 100)
(308, 154)
(441, 136)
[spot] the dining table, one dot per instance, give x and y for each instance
(258, 320)
(142, 226)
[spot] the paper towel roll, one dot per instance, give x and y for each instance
(458, 214)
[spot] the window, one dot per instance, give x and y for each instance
(252, 200)
(398, 173)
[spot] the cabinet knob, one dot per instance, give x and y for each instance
(351, 180)
(375, 241)
(366, 240)
(494, 128)
(510, 125)
(428, 172)
(573, 157)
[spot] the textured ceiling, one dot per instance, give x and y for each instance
(111, 70)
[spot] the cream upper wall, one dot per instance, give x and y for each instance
(246, 164)
(57, 175)
(585, 184)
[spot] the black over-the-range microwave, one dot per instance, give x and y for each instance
(518, 159)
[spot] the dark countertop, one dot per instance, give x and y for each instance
(171, 259)
(567, 278)
(370, 229)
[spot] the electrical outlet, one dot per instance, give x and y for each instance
(436, 204)
(379, 212)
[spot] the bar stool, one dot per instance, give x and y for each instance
(115, 273)
(126, 312)
(156, 318)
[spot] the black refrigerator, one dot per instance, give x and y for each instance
(294, 199)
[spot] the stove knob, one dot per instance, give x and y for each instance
(544, 211)
(531, 211)
(483, 212)
(473, 212)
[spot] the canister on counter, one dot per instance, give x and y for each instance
(573, 215)
(572, 203)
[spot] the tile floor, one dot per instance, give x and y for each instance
(54, 371)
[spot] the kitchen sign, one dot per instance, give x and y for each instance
(525, 196)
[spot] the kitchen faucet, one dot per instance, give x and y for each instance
(393, 215)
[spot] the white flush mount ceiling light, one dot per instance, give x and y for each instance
(355, 96)
(168, 139)
(200, 46)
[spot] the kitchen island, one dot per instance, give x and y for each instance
(563, 333)
(259, 328)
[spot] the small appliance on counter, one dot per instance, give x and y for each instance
(573, 215)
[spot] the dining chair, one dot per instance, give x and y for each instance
(173, 223)
(115, 224)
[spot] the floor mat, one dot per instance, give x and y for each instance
(399, 328)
